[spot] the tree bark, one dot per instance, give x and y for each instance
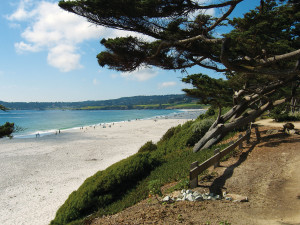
(220, 130)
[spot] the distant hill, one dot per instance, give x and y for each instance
(136, 102)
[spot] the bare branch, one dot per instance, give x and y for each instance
(219, 5)
(232, 7)
(275, 58)
(211, 67)
(198, 37)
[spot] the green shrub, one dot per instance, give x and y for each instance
(199, 128)
(105, 187)
(6, 129)
(154, 187)
(148, 147)
(182, 184)
(181, 134)
(168, 134)
(284, 117)
(280, 114)
(210, 112)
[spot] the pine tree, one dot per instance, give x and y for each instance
(259, 56)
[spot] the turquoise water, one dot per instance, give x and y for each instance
(49, 121)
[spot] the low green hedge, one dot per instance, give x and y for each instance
(105, 187)
(148, 147)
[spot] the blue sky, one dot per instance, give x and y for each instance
(48, 54)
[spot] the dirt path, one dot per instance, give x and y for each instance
(266, 172)
(271, 123)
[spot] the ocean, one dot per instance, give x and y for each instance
(49, 121)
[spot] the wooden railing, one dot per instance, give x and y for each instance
(215, 160)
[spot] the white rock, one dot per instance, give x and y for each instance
(197, 194)
(199, 198)
(238, 198)
(182, 191)
(190, 197)
(180, 196)
(166, 199)
(189, 192)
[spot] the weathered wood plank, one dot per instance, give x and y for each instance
(216, 152)
(257, 134)
(194, 172)
(194, 178)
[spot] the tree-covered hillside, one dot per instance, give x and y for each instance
(136, 102)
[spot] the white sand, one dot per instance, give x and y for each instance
(37, 175)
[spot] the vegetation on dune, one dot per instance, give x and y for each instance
(133, 179)
(7, 129)
(105, 187)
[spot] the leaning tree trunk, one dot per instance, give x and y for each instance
(220, 129)
(239, 115)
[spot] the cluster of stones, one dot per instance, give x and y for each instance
(189, 195)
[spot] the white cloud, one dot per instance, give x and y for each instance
(24, 47)
(49, 28)
(52, 29)
(21, 13)
(142, 74)
(210, 12)
(167, 84)
(14, 25)
(64, 58)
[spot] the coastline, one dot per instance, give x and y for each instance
(38, 174)
(180, 113)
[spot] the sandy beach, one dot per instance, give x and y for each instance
(38, 174)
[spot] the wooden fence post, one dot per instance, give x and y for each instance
(217, 151)
(215, 160)
(248, 137)
(257, 134)
(241, 143)
(194, 180)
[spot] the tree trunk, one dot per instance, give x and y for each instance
(220, 130)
